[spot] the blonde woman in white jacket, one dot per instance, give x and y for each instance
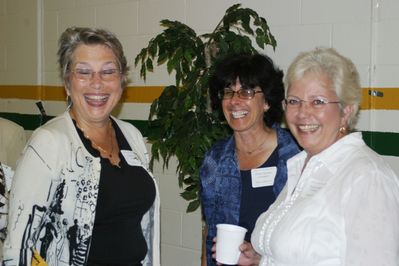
(340, 205)
(82, 193)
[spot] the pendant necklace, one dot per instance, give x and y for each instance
(98, 147)
(257, 148)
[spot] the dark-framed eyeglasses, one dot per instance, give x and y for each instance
(86, 74)
(243, 93)
(295, 102)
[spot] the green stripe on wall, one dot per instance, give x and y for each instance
(381, 142)
(31, 122)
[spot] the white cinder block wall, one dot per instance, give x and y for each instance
(364, 30)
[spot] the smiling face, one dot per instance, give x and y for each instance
(244, 115)
(93, 99)
(315, 129)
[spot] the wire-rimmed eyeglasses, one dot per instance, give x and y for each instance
(244, 93)
(85, 74)
(295, 102)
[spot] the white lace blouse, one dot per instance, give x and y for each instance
(343, 209)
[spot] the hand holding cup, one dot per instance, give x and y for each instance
(229, 238)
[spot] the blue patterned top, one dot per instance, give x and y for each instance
(221, 182)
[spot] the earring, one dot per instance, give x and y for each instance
(342, 130)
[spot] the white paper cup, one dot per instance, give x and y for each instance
(229, 237)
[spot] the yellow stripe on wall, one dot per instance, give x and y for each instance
(141, 94)
(389, 100)
(57, 93)
(32, 92)
(144, 94)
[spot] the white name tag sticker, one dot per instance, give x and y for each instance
(131, 158)
(263, 177)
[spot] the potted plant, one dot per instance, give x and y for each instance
(181, 123)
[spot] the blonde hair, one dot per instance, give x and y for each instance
(339, 69)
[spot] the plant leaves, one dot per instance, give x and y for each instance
(180, 123)
(193, 205)
(149, 65)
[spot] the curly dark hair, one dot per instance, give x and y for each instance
(252, 70)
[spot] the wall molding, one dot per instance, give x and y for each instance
(147, 94)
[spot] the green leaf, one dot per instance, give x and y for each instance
(245, 23)
(188, 195)
(188, 55)
(171, 65)
(193, 205)
(140, 56)
(260, 39)
(149, 65)
(233, 8)
(143, 71)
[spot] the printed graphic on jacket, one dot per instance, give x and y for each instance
(60, 241)
(3, 204)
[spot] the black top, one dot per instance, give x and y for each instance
(255, 201)
(125, 195)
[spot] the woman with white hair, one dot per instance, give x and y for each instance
(340, 205)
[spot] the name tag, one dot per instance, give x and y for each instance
(263, 177)
(131, 158)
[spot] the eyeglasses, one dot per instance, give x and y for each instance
(243, 93)
(85, 74)
(317, 103)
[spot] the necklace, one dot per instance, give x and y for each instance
(98, 147)
(253, 150)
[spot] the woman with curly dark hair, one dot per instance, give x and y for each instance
(242, 175)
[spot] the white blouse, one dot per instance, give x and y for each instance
(342, 209)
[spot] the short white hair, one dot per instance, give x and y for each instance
(339, 69)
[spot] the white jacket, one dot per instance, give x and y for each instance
(55, 186)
